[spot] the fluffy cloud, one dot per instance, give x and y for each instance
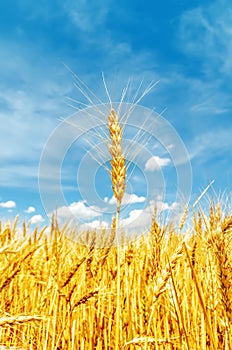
(95, 224)
(155, 163)
(140, 219)
(133, 215)
(78, 210)
(30, 210)
(8, 204)
(36, 219)
(127, 199)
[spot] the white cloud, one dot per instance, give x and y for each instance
(79, 210)
(161, 206)
(133, 215)
(140, 219)
(128, 199)
(36, 219)
(8, 204)
(155, 163)
(95, 224)
(30, 210)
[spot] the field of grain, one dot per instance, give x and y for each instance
(175, 288)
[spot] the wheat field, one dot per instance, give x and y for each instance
(175, 287)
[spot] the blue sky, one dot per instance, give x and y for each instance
(185, 45)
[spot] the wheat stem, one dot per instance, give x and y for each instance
(118, 291)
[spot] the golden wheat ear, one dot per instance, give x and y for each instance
(118, 167)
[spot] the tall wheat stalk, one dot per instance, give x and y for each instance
(118, 178)
(118, 170)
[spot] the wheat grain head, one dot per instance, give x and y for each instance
(118, 167)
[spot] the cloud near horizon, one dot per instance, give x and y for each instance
(78, 210)
(139, 218)
(9, 204)
(155, 163)
(128, 198)
(36, 219)
(30, 210)
(95, 224)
